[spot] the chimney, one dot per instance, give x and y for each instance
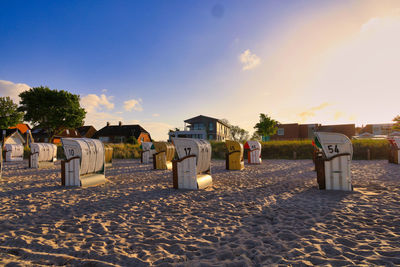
(120, 123)
(108, 123)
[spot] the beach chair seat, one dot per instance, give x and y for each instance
(333, 164)
(162, 158)
(148, 150)
(85, 162)
(42, 155)
(234, 155)
(394, 149)
(14, 152)
(108, 155)
(253, 152)
(192, 169)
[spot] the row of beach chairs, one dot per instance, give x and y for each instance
(86, 159)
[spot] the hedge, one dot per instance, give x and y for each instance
(378, 149)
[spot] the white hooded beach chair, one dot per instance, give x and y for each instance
(333, 167)
(193, 168)
(253, 152)
(147, 153)
(14, 152)
(42, 155)
(85, 162)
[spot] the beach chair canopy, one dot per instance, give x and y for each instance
(46, 151)
(147, 146)
(200, 148)
(333, 144)
(233, 146)
(166, 147)
(395, 141)
(90, 151)
(252, 145)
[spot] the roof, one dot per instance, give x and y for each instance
(84, 129)
(194, 119)
(9, 133)
(123, 130)
(22, 127)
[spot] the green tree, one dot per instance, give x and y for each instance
(266, 126)
(9, 114)
(396, 125)
(239, 134)
(52, 110)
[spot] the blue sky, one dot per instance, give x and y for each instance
(157, 63)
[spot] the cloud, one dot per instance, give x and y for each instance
(158, 130)
(338, 115)
(249, 60)
(12, 90)
(93, 102)
(133, 104)
(96, 108)
(311, 112)
(156, 115)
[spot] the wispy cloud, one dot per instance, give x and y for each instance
(12, 90)
(249, 60)
(309, 113)
(156, 115)
(133, 104)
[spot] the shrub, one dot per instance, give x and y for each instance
(379, 149)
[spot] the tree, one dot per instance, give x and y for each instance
(255, 136)
(396, 125)
(52, 110)
(9, 114)
(266, 126)
(239, 134)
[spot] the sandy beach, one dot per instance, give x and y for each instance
(264, 215)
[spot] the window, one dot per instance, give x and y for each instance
(211, 126)
(67, 131)
(210, 137)
(281, 131)
(105, 139)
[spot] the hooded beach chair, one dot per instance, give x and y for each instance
(85, 162)
(333, 165)
(162, 159)
(253, 152)
(192, 169)
(43, 155)
(234, 155)
(147, 152)
(14, 152)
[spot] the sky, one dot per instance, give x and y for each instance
(157, 63)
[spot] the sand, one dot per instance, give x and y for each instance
(264, 215)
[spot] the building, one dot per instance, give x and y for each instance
(86, 131)
(378, 129)
(295, 131)
(23, 129)
(347, 129)
(203, 127)
(11, 136)
(41, 135)
(122, 133)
